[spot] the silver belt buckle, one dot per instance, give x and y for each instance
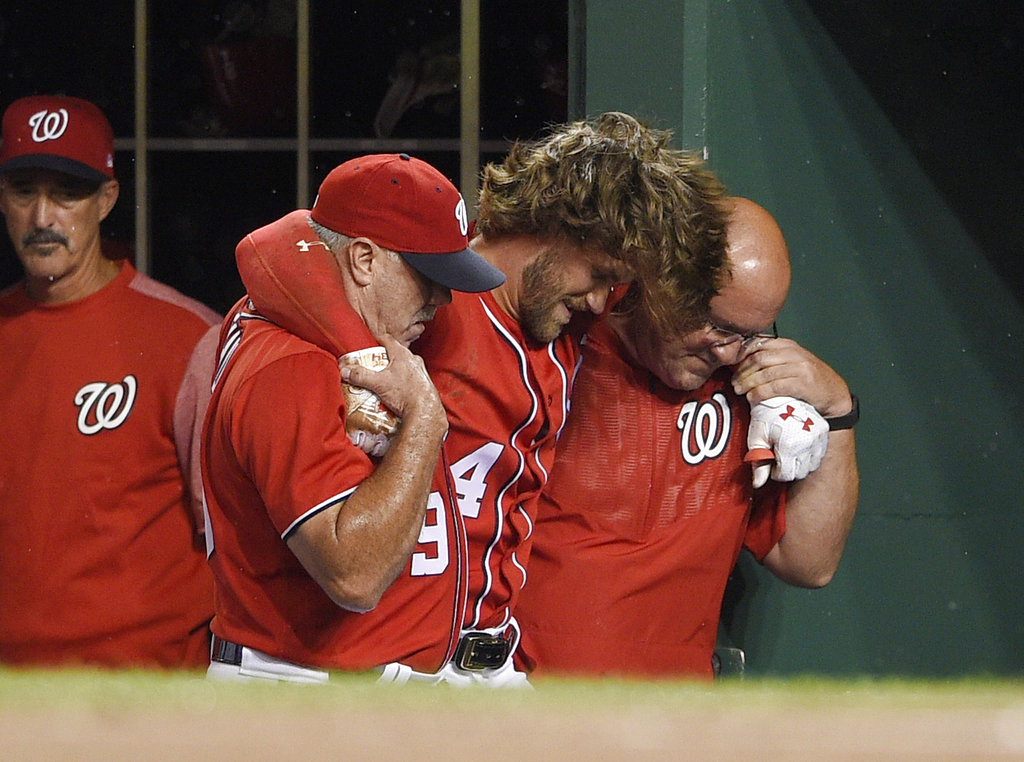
(478, 650)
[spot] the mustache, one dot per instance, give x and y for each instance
(425, 315)
(35, 237)
(577, 303)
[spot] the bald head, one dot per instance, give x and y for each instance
(748, 303)
(758, 262)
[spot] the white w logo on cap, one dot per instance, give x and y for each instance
(462, 215)
(48, 125)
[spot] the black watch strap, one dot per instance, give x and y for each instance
(846, 421)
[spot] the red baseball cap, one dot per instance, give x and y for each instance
(58, 132)
(406, 205)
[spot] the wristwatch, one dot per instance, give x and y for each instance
(846, 421)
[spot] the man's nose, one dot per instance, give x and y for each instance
(727, 354)
(42, 210)
(597, 298)
(441, 295)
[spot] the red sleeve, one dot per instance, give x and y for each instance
(297, 284)
(290, 436)
(767, 519)
(189, 410)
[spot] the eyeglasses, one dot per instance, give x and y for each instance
(724, 337)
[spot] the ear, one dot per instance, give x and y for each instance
(360, 255)
(109, 192)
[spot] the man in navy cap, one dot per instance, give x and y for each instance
(330, 547)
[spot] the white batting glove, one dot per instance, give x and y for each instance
(787, 439)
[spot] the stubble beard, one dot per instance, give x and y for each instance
(540, 298)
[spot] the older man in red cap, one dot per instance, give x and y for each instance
(330, 546)
(105, 375)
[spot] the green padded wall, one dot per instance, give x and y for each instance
(891, 291)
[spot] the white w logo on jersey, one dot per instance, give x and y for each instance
(104, 406)
(705, 427)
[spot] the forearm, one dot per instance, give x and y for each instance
(358, 549)
(819, 515)
(379, 525)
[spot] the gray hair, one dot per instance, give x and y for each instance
(335, 241)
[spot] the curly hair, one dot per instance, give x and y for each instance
(684, 263)
(615, 184)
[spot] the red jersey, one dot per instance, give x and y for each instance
(275, 453)
(507, 399)
(647, 508)
(100, 559)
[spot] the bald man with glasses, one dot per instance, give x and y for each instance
(651, 498)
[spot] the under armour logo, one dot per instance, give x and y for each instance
(48, 125)
(791, 413)
(304, 245)
(104, 406)
(705, 428)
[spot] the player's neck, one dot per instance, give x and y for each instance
(625, 328)
(73, 285)
(502, 254)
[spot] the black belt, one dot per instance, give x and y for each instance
(478, 650)
(226, 652)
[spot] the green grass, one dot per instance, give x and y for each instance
(89, 715)
(52, 689)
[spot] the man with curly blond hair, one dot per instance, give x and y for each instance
(590, 205)
(615, 186)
